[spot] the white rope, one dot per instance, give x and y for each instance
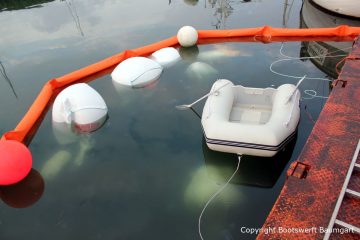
(282, 54)
(154, 68)
(215, 194)
(316, 56)
(310, 92)
(298, 77)
(290, 58)
(216, 91)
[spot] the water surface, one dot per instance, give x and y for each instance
(147, 172)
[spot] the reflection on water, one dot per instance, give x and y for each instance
(73, 12)
(287, 11)
(201, 68)
(7, 79)
(191, 2)
(189, 53)
(253, 171)
(24, 193)
(222, 51)
(312, 16)
(223, 10)
(8, 5)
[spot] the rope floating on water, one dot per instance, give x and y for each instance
(310, 92)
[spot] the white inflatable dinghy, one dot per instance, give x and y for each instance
(250, 121)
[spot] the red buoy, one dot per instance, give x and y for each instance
(15, 162)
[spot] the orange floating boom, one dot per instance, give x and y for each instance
(27, 126)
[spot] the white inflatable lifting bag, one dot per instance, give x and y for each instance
(166, 57)
(79, 104)
(137, 72)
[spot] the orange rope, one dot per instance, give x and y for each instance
(26, 126)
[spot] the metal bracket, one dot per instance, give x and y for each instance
(343, 83)
(299, 170)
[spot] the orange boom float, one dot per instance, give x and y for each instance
(25, 130)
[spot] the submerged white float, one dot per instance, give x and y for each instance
(200, 71)
(166, 57)
(79, 105)
(137, 72)
(250, 121)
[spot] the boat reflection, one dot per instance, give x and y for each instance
(254, 171)
(10, 5)
(24, 193)
(311, 16)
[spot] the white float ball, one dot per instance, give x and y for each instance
(187, 36)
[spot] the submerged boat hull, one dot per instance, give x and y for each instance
(345, 7)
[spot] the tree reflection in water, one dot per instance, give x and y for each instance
(73, 12)
(7, 79)
(223, 9)
(9, 5)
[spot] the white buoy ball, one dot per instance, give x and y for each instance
(187, 36)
